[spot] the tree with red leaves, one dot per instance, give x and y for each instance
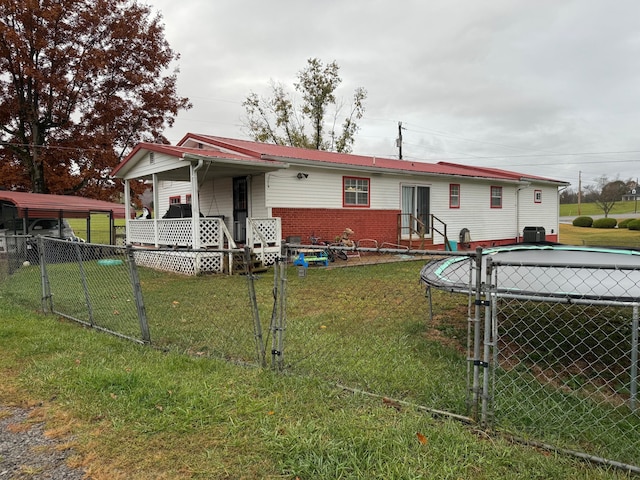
(81, 82)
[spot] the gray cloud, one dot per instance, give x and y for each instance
(468, 79)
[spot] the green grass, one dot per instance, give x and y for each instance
(138, 413)
(186, 414)
(588, 209)
(99, 224)
(603, 237)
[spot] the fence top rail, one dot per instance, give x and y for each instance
(402, 251)
(562, 272)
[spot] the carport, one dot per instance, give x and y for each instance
(24, 205)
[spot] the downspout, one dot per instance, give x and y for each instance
(523, 187)
(558, 210)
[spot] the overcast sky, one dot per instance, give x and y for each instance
(544, 87)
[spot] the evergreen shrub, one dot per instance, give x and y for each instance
(605, 223)
(582, 221)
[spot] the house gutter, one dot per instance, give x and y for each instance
(394, 171)
(248, 162)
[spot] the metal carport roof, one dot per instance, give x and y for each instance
(38, 205)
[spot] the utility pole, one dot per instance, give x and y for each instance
(579, 190)
(399, 140)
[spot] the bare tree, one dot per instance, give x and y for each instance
(607, 193)
(278, 120)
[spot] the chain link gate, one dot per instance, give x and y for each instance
(559, 372)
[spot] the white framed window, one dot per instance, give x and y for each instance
(496, 197)
(355, 192)
(537, 196)
(454, 195)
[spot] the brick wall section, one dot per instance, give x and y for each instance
(380, 225)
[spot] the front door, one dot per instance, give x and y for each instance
(240, 209)
(415, 210)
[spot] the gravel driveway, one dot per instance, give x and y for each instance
(26, 453)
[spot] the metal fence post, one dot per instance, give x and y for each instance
(476, 335)
(44, 278)
(257, 326)
(634, 360)
(137, 294)
(85, 287)
(282, 313)
(489, 300)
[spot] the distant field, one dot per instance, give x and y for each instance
(99, 225)
(571, 209)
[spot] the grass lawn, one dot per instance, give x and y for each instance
(588, 209)
(602, 237)
(132, 412)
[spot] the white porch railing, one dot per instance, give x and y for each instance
(178, 232)
(263, 237)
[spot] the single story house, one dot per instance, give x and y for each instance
(258, 194)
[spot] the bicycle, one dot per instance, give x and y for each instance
(332, 253)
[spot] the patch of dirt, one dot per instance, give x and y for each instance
(27, 452)
(450, 328)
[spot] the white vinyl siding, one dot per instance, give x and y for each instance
(324, 188)
(161, 162)
(168, 189)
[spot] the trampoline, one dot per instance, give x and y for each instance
(546, 271)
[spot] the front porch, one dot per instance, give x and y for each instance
(169, 243)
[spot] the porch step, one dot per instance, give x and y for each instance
(238, 264)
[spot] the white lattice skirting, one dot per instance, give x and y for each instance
(181, 262)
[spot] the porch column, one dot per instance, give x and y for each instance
(195, 204)
(127, 211)
(156, 206)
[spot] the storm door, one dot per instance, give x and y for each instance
(415, 210)
(240, 209)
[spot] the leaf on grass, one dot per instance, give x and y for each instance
(421, 438)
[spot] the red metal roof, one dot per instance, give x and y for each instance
(249, 151)
(42, 205)
(280, 152)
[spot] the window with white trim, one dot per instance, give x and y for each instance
(496, 197)
(454, 195)
(356, 192)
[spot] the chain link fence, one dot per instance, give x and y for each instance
(366, 323)
(550, 370)
(564, 371)
(96, 285)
